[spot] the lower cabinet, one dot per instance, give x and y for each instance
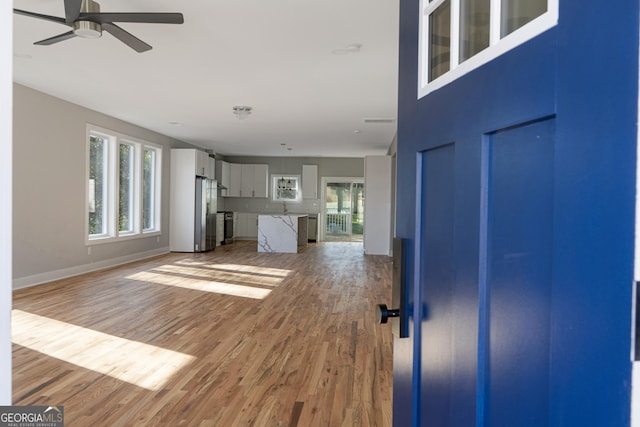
(219, 228)
(246, 226)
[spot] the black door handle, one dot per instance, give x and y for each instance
(399, 327)
(383, 313)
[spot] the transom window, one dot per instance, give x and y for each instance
(123, 186)
(457, 36)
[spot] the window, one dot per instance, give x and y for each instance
(126, 194)
(457, 36)
(286, 188)
(123, 186)
(150, 210)
(98, 185)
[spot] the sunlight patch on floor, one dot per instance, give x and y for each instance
(137, 363)
(202, 285)
(209, 272)
(268, 271)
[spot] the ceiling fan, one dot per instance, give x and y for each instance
(86, 21)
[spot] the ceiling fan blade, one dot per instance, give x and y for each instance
(71, 10)
(125, 37)
(39, 16)
(56, 39)
(151, 18)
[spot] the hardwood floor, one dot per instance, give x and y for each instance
(227, 338)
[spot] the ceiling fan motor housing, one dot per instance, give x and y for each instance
(88, 29)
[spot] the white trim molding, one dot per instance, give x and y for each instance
(497, 45)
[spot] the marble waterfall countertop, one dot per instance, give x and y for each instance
(282, 233)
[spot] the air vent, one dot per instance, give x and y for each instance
(379, 121)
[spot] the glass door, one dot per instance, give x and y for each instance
(344, 211)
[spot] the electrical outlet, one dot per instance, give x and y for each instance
(88, 250)
(157, 239)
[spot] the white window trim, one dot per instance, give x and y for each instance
(113, 234)
(275, 177)
(496, 47)
(135, 184)
(157, 193)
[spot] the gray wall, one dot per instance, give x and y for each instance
(49, 190)
(327, 167)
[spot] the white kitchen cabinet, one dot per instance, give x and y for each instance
(222, 176)
(245, 226)
(247, 180)
(202, 163)
(261, 181)
(196, 161)
(235, 180)
(211, 173)
(252, 226)
(309, 181)
(182, 213)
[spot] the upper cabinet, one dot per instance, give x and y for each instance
(248, 180)
(235, 180)
(309, 181)
(195, 160)
(223, 176)
(261, 181)
(202, 164)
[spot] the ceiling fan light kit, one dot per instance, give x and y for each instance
(86, 21)
(242, 111)
(87, 29)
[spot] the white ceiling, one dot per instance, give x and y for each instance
(273, 55)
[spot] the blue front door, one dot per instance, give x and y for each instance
(516, 190)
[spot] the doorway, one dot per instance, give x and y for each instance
(343, 209)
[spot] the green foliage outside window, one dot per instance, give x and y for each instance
(148, 179)
(97, 147)
(125, 199)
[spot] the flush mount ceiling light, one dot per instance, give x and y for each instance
(242, 111)
(350, 48)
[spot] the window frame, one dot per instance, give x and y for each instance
(157, 179)
(111, 164)
(298, 188)
(497, 45)
(134, 190)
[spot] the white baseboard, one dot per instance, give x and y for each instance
(38, 279)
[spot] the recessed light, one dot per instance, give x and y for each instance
(350, 48)
(357, 131)
(176, 124)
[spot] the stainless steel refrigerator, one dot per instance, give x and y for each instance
(205, 214)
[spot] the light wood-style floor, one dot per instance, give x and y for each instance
(226, 338)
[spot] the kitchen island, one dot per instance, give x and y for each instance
(282, 233)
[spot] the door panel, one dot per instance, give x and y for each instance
(519, 248)
(437, 278)
(534, 252)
